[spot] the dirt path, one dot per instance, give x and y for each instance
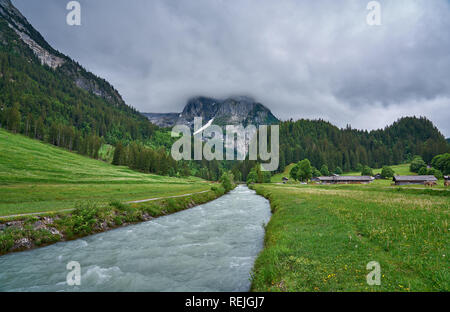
(130, 202)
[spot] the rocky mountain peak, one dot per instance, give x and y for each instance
(230, 111)
(29, 38)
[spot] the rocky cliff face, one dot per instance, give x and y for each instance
(162, 120)
(231, 111)
(28, 37)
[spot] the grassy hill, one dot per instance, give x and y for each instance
(402, 169)
(279, 176)
(38, 177)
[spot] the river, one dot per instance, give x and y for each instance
(211, 247)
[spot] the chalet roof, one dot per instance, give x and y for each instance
(418, 178)
(346, 178)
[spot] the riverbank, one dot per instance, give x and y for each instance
(28, 232)
(321, 238)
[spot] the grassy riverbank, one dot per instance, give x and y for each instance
(320, 238)
(74, 196)
(89, 218)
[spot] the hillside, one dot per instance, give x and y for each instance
(36, 176)
(45, 94)
(323, 143)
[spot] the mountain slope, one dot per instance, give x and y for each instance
(46, 85)
(231, 111)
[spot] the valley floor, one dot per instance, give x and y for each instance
(38, 177)
(48, 194)
(321, 238)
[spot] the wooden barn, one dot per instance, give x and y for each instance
(419, 179)
(346, 180)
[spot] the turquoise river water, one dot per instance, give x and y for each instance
(211, 247)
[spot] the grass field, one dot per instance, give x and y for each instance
(402, 169)
(38, 177)
(320, 238)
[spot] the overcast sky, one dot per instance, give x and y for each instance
(302, 59)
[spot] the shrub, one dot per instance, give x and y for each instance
(442, 163)
(367, 171)
(302, 171)
(84, 218)
(423, 171)
(437, 173)
(416, 164)
(387, 172)
(252, 177)
(219, 190)
(324, 170)
(227, 181)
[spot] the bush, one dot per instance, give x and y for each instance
(416, 164)
(227, 181)
(437, 173)
(252, 177)
(367, 171)
(218, 190)
(339, 170)
(387, 172)
(423, 171)
(442, 163)
(302, 171)
(315, 172)
(324, 170)
(84, 218)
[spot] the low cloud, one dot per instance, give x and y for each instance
(302, 59)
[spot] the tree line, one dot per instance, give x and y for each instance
(347, 149)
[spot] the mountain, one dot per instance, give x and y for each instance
(54, 59)
(164, 120)
(47, 95)
(231, 111)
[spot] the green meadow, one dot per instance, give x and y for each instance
(321, 238)
(402, 169)
(38, 177)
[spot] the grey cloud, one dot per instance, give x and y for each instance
(303, 59)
